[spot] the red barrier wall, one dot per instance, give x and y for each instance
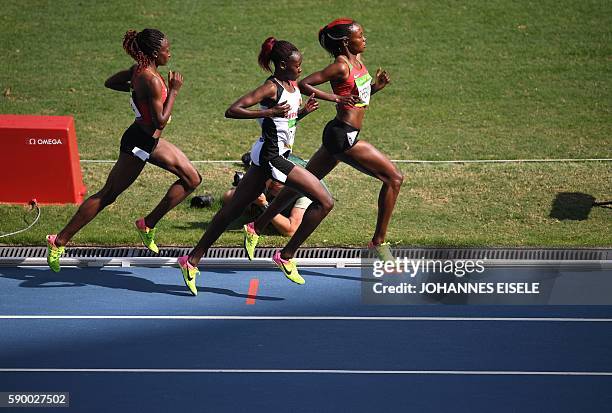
(40, 160)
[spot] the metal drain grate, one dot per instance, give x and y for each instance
(332, 254)
(506, 254)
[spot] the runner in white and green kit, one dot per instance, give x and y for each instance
(279, 98)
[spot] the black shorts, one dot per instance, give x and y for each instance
(339, 136)
(278, 167)
(137, 142)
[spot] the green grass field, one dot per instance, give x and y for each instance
(470, 80)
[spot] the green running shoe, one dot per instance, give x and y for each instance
(288, 268)
(250, 239)
(189, 273)
(382, 251)
(53, 253)
(147, 235)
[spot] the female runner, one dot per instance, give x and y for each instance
(152, 102)
(280, 99)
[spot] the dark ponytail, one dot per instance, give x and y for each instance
(143, 45)
(266, 51)
(273, 50)
(332, 36)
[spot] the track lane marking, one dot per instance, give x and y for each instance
(300, 318)
(252, 294)
(318, 371)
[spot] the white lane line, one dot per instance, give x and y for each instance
(505, 160)
(321, 371)
(291, 318)
(202, 161)
(409, 160)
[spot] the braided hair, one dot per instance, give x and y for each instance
(275, 51)
(143, 45)
(332, 36)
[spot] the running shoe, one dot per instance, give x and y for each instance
(288, 268)
(250, 239)
(147, 235)
(382, 251)
(189, 273)
(53, 253)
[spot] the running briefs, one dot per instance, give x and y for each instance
(339, 137)
(138, 143)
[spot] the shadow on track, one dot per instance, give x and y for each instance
(302, 272)
(340, 277)
(116, 279)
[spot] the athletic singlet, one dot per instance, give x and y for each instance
(357, 83)
(141, 108)
(278, 133)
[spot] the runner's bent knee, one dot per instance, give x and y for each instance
(327, 202)
(397, 180)
(190, 176)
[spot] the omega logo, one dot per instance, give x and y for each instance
(44, 141)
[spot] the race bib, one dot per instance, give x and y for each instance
(364, 87)
(291, 128)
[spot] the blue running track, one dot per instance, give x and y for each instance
(133, 339)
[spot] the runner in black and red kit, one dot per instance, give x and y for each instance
(152, 102)
(352, 87)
